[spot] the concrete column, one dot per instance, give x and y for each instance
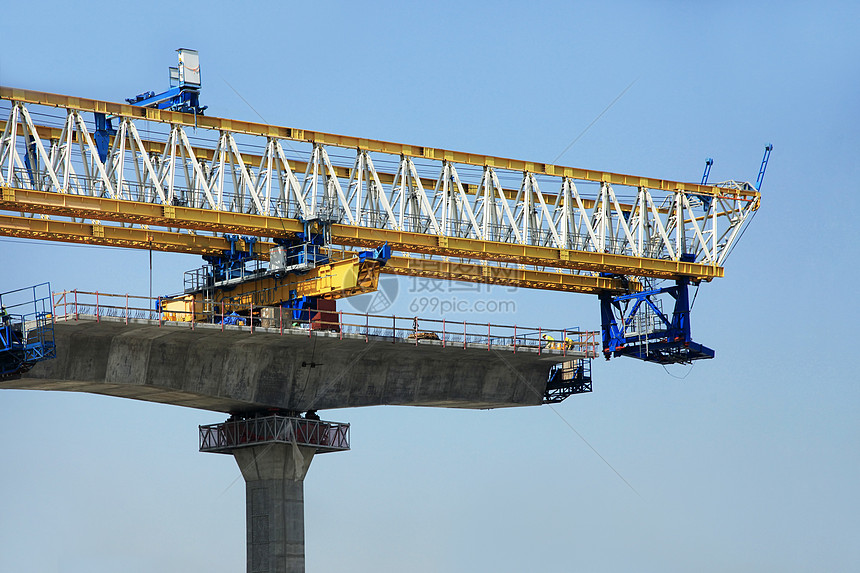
(274, 506)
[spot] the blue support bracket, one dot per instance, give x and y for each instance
(302, 307)
(180, 98)
(706, 199)
(230, 264)
(380, 254)
(31, 159)
(708, 163)
(101, 136)
(306, 250)
(662, 339)
(760, 179)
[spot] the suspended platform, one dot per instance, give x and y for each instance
(26, 329)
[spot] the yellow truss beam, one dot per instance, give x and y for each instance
(99, 208)
(470, 272)
(159, 240)
(350, 142)
(208, 154)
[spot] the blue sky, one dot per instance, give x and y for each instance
(748, 462)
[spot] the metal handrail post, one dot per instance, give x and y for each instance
(55, 304)
(126, 308)
(76, 304)
(97, 306)
(443, 332)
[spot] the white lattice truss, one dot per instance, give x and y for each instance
(260, 177)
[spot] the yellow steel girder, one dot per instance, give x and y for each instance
(507, 276)
(99, 208)
(161, 240)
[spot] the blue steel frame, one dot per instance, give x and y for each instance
(182, 98)
(760, 179)
(316, 235)
(304, 306)
(26, 329)
(671, 344)
(567, 379)
(230, 263)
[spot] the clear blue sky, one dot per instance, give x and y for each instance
(749, 462)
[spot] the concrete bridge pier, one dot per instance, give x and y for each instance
(274, 505)
(274, 453)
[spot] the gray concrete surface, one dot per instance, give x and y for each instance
(274, 506)
(236, 371)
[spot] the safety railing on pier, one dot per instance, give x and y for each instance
(232, 434)
(445, 332)
(72, 304)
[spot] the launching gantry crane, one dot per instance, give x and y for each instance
(327, 211)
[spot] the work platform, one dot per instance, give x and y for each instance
(322, 436)
(26, 329)
(238, 369)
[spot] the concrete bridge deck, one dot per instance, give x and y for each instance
(229, 369)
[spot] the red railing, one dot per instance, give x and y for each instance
(445, 332)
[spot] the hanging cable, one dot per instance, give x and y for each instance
(678, 377)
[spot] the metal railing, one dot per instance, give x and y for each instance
(283, 260)
(71, 304)
(323, 435)
(445, 332)
(566, 379)
(26, 328)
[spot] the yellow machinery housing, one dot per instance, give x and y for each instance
(338, 279)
